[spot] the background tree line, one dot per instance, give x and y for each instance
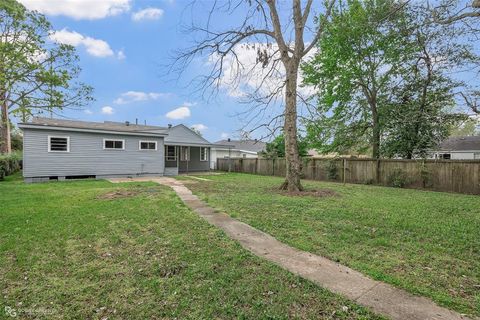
(37, 75)
(384, 73)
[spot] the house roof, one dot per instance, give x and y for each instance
(183, 135)
(110, 126)
(247, 145)
(469, 143)
(177, 135)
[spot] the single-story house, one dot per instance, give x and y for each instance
(458, 148)
(236, 149)
(65, 149)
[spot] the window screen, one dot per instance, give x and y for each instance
(148, 145)
(113, 144)
(203, 154)
(59, 144)
(171, 153)
(184, 156)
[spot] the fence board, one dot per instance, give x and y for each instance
(461, 176)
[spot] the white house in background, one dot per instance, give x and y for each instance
(236, 149)
(458, 148)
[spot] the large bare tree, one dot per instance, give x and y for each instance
(277, 32)
(451, 11)
(466, 15)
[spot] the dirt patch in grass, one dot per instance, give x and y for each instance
(117, 194)
(320, 193)
(128, 193)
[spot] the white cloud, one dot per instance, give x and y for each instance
(199, 127)
(108, 110)
(88, 111)
(121, 55)
(95, 47)
(79, 9)
(189, 104)
(147, 14)
(225, 135)
(135, 96)
(179, 113)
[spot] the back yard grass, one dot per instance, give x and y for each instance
(425, 242)
(96, 250)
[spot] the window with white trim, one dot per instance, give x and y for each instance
(184, 153)
(203, 154)
(112, 144)
(147, 145)
(58, 144)
(170, 153)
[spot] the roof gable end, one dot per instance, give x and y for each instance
(183, 134)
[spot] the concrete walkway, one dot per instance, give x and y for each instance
(378, 296)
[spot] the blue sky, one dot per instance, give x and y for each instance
(123, 46)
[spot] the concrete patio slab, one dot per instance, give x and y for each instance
(380, 297)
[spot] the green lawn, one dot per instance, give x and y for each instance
(425, 242)
(68, 251)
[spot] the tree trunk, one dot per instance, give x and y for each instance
(376, 131)
(5, 143)
(293, 165)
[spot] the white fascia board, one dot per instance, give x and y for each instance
(128, 133)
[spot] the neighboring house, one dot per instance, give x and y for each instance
(65, 149)
(458, 148)
(236, 149)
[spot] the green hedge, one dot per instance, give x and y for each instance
(9, 164)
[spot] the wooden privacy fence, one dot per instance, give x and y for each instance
(462, 176)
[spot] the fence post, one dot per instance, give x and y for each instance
(344, 170)
(377, 172)
(256, 165)
(273, 166)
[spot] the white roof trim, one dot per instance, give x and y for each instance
(186, 144)
(128, 133)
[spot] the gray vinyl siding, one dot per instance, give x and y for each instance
(87, 156)
(171, 171)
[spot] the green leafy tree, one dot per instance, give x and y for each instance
(36, 74)
(276, 148)
(469, 127)
(389, 90)
(16, 138)
(359, 59)
(419, 114)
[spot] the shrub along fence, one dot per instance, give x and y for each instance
(9, 164)
(462, 176)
